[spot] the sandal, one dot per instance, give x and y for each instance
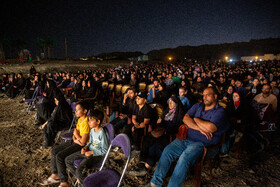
(49, 181)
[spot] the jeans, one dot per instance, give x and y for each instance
(58, 155)
(88, 162)
(187, 151)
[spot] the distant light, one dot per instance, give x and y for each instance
(256, 57)
(226, 58)
(260, 59)
(169, 58)
(230, 60)
(251, 60)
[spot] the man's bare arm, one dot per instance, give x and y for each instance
(206, 126)
(190, 122)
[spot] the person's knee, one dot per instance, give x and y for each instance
(54, 152)
(68, 161)
(60, 157)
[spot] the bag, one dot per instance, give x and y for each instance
(182, 132)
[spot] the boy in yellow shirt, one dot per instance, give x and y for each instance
(60, 152)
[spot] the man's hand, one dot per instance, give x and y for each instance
(125, 96)
(209, 135)
(137, 125)
(122, 116)
(159, 120)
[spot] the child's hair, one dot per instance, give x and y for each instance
(183, 88)
(83, 105)
(96, 114)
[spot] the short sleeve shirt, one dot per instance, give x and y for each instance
(83, 126)
(216, 115)
(141, 114)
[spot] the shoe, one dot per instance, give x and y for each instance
(151, 185)
(139, 171)
(224, 155)
(238, 136)
(49, 181)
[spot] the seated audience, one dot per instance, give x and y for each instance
(207, 122)
(94, 151)
(60, 152)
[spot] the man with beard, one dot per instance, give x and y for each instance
(153, 91)
(266, 97)
(207, 121)
(126, 108)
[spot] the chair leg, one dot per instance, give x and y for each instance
(197, 174)
(198, 168)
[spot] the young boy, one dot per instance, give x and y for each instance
(94, 151)
(60, 152)
(182, 96)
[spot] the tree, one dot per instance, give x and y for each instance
(3, 41)
(50, 43)
(42, 45)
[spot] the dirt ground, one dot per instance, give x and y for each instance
(23, 163)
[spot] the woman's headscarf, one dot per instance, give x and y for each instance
(176, 115)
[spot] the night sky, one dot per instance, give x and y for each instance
(92, 27)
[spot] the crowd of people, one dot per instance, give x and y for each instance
(150, 103)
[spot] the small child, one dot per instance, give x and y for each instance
(94, 151)
(182, 96)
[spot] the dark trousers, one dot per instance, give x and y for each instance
(51, 130)
(152, 148)
(135, 136)
(118, 123)
(58, 155)
(88, 162)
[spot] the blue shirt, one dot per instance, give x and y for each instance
(186, 103)
(98, 142)
(216, 115)
(150, 96)
(70, 85)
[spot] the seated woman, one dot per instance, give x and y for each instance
(240, 116)
(90, 91)
(31, 85)
(60, 152)
(79, 93)
(46, 106)
(167, 127)
(228, 94)
(60, 119)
